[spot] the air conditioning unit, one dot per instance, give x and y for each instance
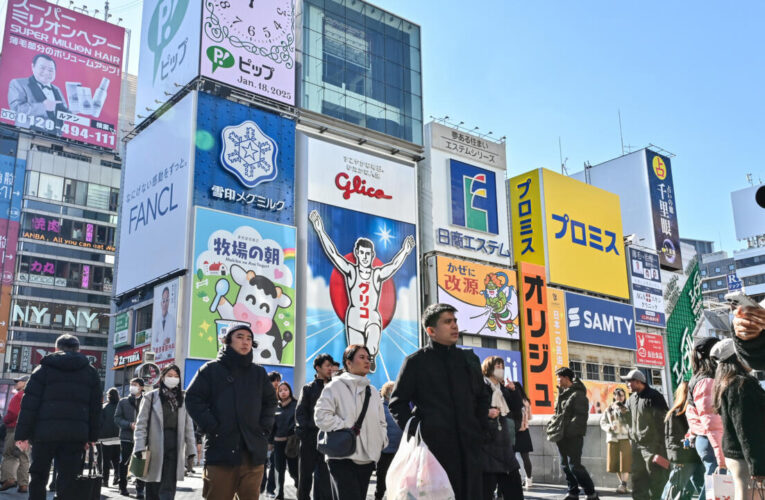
(149, 356)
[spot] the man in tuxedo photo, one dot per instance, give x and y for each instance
(36, 96)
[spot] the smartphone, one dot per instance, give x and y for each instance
(740, 299)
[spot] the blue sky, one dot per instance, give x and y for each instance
(686, 76)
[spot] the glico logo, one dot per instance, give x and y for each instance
(357, 185)
(474, 197)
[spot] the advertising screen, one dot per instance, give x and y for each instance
(585, 243)
(251, 46)
(245, 161)
(600, 322)
(164, 322)
(61, 73)
(664, 210)
(486, 297)
(155, 198)
(169, 55)
(647, 295)
(244, 273)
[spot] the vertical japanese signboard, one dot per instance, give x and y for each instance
(664, 210)
(681, 326)
(122, 330)
(647, 295)
(486, 297)
(164, 322)
(251, 45)
(556, 310)
(535, 343)
(60, 73)
(526, 216)
(12, 175)
(650, 349)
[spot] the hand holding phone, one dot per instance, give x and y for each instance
(660, 461)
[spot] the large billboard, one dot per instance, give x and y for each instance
(527, 218)
(647, 295)
(585, 243)
(463, 197)
(164, 322)
(749, 211)
(663, 206)
(362, 257)
(681, 325)
(169, 54)
(243, 273)
(245, 161)
(155, 190)
(251, 46)
(535, 341)
(61, 73)
(486, 297)
(601, 322)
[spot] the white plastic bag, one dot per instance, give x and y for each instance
(416, 473)
(719, 487)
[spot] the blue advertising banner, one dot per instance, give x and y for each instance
(513, 367)
(647, 293)
(245, 160)
(600, 322)
(664, 211)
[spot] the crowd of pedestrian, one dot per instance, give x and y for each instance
(253, 431)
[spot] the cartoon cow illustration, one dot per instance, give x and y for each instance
(256, 303)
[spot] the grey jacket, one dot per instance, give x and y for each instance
(126, 414)
(25, 96)
(185, 435)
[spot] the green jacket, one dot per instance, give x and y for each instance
(571, 410)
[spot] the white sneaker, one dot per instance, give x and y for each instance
(529, 483)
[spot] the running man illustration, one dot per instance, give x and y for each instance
(363, 284)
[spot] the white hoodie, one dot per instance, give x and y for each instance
(338, 408)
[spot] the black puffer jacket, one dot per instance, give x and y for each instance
(109, 428)
(306, 428)
(742, 408)
(284, 420)
(752, 351)
(499, 456)
(647, 410)
(62, 401)
(675, 429)
(571, 410)
(233, 403)
(125, 415)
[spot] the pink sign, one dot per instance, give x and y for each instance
(9, 241)
(650, 349)
(85, 276)
(60, 73)
(89, 233)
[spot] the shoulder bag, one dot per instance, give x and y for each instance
(139, 467)
(342, 443)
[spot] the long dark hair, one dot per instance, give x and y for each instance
(519, 387)
(113, 395)
(177, 389)
(702, 365)
(731, 373)
(289, 388)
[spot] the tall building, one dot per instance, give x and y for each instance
(714, 269)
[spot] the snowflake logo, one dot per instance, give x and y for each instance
(249, 154)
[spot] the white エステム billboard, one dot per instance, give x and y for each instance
(154, 215)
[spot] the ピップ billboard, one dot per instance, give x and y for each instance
(362, 259)
(61, 73)
(486, 297)
(243, 274)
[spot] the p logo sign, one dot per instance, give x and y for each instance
(219, 57)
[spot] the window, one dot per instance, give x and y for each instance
(593, 371)
(33, 179)
(609, 373)
(704, 285)
(143, 318)
(488, 342)
(624, 370)
(731, 267)
(51, 187)
(114, 199)
(99, 196)
(703, 272)
(718, 283)
(717, 269)
(81, 194)
(70, 187)
(576, 366)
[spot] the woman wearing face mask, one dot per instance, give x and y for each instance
(501, 469)
(615, 421)
(284, 432)
(170, 437)
(338, 407)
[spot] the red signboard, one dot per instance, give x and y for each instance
(650, 349)
(129, 358)
(60, 73)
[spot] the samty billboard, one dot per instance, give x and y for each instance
(60, 73)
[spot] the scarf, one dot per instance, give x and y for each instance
(497, 399)
(170, 396)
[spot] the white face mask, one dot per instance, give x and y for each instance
(499, 374)
(135, 390)
(171, 382)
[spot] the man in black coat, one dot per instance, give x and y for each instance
(451, 401)
(125, 416)
(60, 414)
(310, 460)
(647, 411)
(233, 404)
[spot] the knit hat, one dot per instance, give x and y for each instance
(723, 350)
(703, 346)
(236, 329)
